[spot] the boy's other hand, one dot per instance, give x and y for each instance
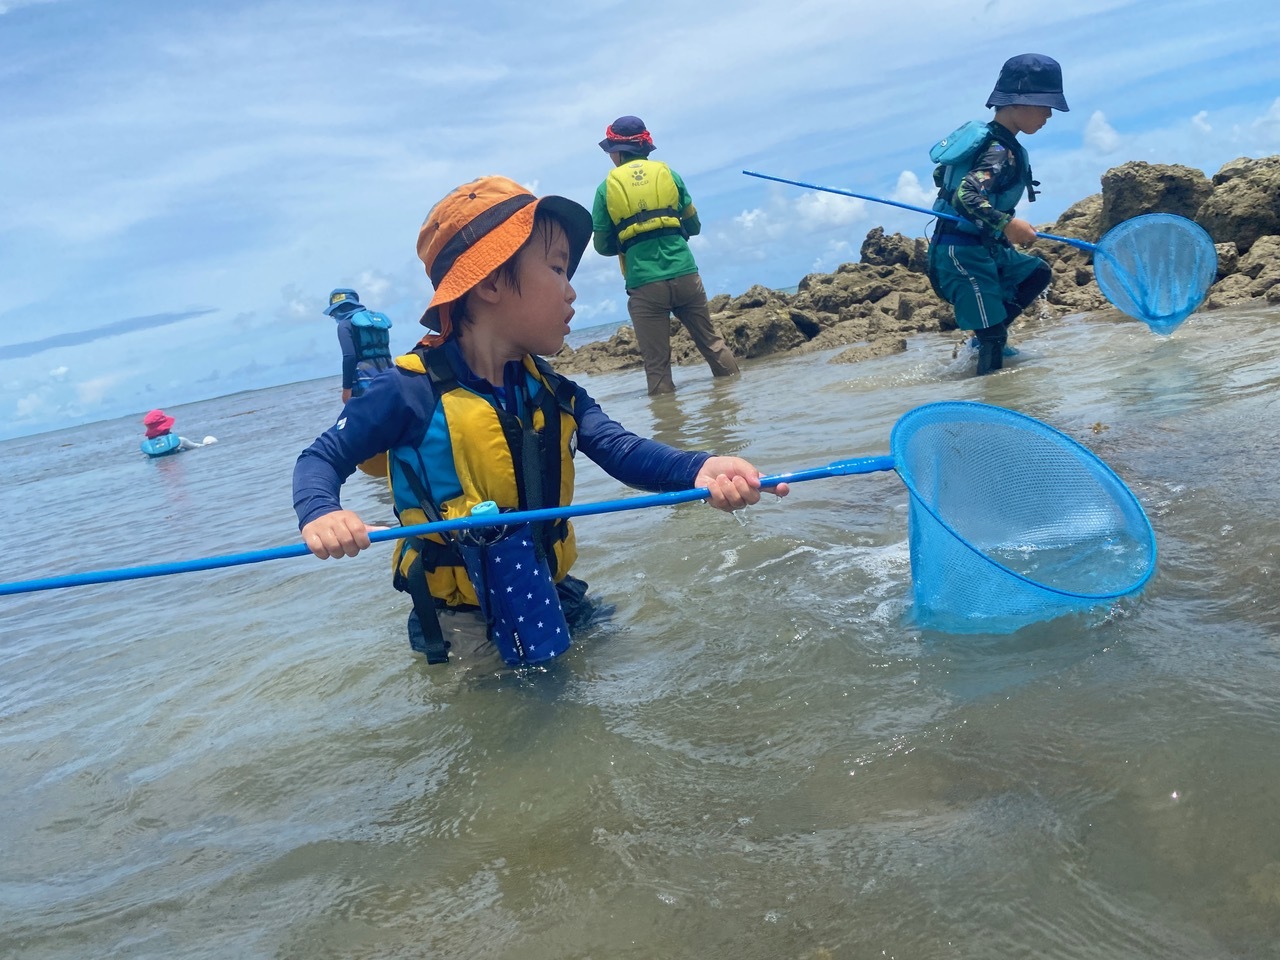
(1019, 232)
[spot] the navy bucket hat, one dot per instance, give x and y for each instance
(627, 135)
(1030, 78)
(341, 296)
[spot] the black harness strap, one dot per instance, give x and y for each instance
(644, 215)
(430, 555)
(551, 402)
(630, 242)
(434, 645)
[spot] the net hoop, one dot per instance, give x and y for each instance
(1157, 267)
(969, 411)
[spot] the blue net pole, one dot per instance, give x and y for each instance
(839, 468)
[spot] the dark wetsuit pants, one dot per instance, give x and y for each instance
(989, 285)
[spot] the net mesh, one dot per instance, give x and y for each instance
(1011, 521)
(1156, 267)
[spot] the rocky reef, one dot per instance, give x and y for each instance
(872, 306)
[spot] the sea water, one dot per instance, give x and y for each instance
(759, 755)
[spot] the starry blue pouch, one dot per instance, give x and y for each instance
(517, 596)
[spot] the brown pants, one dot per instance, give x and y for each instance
(651, 307)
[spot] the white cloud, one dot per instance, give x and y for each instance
(91, 393)
(1201, 122)
(910, 191)
(373, 287)
(29, 406)
(298, 306)
(825, 211)
(810, 212)
(833, 254)
(599, 311)
(1267, 127)
(1100, 136)
(758, 225)
(59, 373)
(749, 219)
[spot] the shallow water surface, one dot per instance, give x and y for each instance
(759, 755)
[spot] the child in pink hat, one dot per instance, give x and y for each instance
(159, 424)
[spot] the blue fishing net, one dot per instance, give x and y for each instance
(1156, 267)
(1011, 521)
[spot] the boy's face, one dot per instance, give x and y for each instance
(1030, 118)
(544, 305)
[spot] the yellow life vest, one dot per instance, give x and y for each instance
(468, 455)
(642, 199)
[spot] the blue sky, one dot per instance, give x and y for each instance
(185, 182)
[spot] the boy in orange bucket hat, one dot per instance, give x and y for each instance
(474, 418)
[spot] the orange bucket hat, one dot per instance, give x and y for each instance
(477, 228)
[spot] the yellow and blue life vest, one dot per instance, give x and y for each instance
(473, 450)
(643, 202)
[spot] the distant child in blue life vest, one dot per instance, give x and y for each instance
(160, 439)
(473, 419)
(363, 337)
(982, 174)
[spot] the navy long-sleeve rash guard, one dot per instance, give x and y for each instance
(395, 410)
(347, 342)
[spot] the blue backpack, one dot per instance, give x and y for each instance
(957, 150)
(370, 318)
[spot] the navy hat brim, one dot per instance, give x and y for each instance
(354, 304)
(1000, 98)
(615, 146)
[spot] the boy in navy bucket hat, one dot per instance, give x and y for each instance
(474, 421)
(982, 174)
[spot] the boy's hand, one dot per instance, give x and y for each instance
(732, 483)
(337, 534)
(1019, 232)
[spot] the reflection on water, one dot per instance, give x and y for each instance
(759, 755)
